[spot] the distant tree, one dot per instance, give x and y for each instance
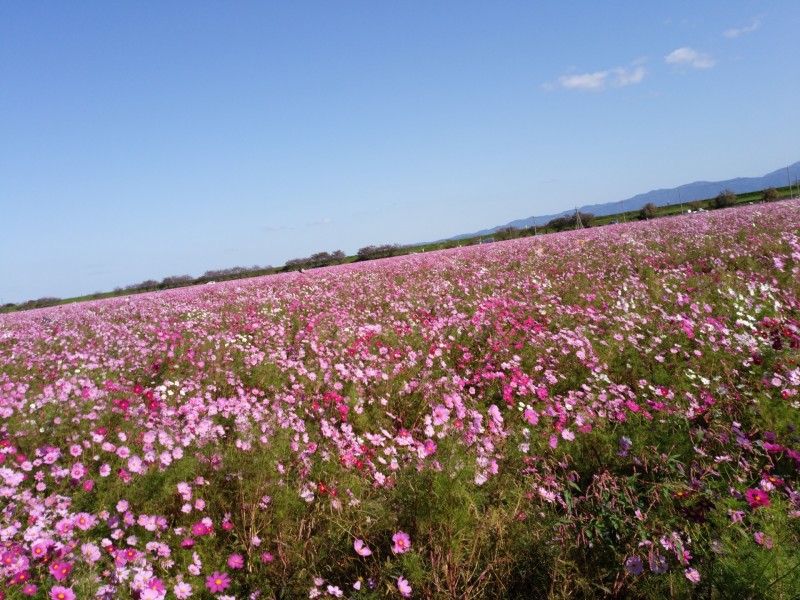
(319, 259)
(384, 251)
(175, 281)
(296, 264)
(559, 223)
(40, 302)
(725, 199)
(570, 221)
(648, 211)
(770, 195)
(506, 233)
(695, 206)
(147, 284)
(338, 256)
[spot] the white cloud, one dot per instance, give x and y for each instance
(627, 77)
(587, 81)
(732, 33)
(687, 57)
(599, 80)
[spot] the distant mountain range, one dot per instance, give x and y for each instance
(699, 190)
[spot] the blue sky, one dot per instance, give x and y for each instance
(145, 139)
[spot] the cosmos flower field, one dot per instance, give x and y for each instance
(602, 412)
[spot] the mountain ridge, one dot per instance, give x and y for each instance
(689, 192)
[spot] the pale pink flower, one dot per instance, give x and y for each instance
(361, 548)
(403, 587)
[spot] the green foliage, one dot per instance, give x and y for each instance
(725, 199)
(648, 211)
(770, 195)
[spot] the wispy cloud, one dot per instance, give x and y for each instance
(687, 57)
(736, 32)
(600, 80)
(321, 222)
(269, 228)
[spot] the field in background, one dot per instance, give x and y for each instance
(602, 412)
(745, 199)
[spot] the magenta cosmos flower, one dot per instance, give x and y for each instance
(218, 582)
(200, 528)
(757, 498)
(60, 570)
(402, 542)
(61, 593)
(235, 561)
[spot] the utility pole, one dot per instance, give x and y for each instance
(680, 200)
(578, 224)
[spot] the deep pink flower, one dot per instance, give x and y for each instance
(61, 593)
(60, 570)
(402, 542)
(30, 589)
(218, 582)
(266, 557)
(200, 528)
(21, 577)
(757, 498)
(235, 561)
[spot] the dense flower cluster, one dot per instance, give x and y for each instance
(196, 441)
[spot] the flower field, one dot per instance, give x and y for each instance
(603, 412)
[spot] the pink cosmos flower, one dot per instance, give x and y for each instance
(30, 589)
(361, 548)
(200, 528)
(218, 582)
(182, 590)
(402, 542)
(59, 570)
(736, 515)
(692, 575)
(440, 415)
(266, 557)
(61, 593)
(20, 577)
(235, 561)
(403, 587)
(757, 498)
(762, 539)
